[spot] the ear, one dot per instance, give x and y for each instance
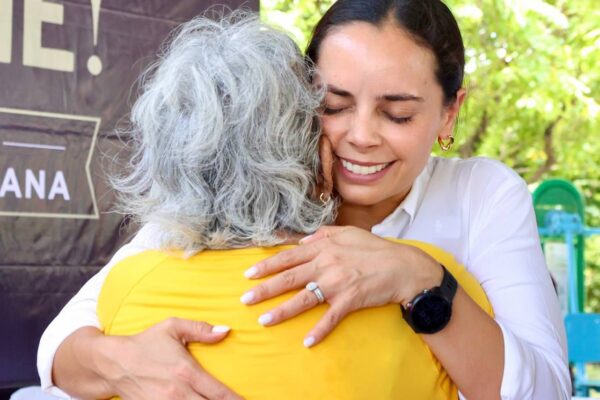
(451, 114)
(325, 181)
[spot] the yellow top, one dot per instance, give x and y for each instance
(372, 354)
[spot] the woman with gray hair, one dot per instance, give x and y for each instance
(225, 170)
(225, 139)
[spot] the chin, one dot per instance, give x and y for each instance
(359, 198)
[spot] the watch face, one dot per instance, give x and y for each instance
(431, 313)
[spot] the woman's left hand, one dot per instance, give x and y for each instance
(353, 268)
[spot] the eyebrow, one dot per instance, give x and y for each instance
(400, 97)
(388, 97)
(338, 92)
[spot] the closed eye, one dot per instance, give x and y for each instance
(399, 120)
(332, 111)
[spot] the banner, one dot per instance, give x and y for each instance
(67, 79)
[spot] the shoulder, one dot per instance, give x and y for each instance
(474, 166)
(475, 174)
(128, 272)
(150, 236)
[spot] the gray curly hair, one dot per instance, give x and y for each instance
(225, 139)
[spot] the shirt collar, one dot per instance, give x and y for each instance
(397, 220)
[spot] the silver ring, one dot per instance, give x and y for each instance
(313, 287)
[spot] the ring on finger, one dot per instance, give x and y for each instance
(314, 287)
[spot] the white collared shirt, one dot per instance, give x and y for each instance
(477, 209)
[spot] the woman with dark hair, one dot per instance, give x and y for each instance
(393, 72)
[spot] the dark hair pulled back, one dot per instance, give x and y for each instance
(429, 22)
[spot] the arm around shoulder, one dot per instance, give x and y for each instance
(78, 313)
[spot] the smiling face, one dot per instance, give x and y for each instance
(382, 112)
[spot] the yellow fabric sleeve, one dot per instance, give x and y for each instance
(372, 354)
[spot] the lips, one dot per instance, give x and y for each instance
(362, 169)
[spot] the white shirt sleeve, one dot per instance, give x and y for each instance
(506, 257)
(80, 311)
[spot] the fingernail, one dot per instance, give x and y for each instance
(309, 341)
(265, 319)
(251, 272)
(220, 329)
(305, 238)
(247, 297)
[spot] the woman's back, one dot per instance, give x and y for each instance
(373, 353)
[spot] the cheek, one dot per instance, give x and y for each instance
(410, 144)
(333, 128)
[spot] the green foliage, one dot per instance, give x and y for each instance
(531, 70)
(533, 90)
(297, 17)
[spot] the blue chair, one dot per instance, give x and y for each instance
(583, 341)
(583, 329)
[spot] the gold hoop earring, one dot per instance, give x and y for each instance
(448, 145)
(325, 198)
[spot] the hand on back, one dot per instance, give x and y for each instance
(353, 268)
(156, 364)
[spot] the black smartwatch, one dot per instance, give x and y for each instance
(430, 311)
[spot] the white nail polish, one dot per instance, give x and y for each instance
(250, 272)
(220, 329)
(265, 319)
(304, 239)
(309, 341)
(247, 297)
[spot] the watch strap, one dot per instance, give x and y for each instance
(449, 286)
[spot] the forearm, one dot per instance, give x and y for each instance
(471, 349)
(81, 366)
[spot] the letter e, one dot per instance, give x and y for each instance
(35, 13)
(6, 17)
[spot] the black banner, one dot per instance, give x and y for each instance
(67, 79)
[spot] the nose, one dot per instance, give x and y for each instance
(363, 130)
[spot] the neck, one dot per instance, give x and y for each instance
(367, 216)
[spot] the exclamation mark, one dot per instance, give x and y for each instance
(94, 63)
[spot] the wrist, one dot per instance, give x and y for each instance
(426, 273)
(106, 356)
(76, 368)
(430, 311)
